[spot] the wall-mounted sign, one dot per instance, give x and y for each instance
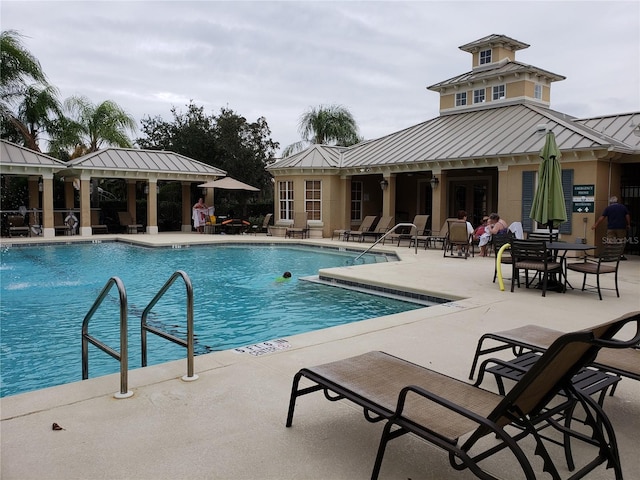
(584, 190)
(583, 199)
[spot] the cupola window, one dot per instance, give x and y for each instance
(485, 56)
(499, 92)
(461, 99)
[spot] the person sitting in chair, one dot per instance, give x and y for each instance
(482, 236)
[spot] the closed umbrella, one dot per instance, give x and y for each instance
(548, 202)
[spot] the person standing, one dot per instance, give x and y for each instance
(618, 221)
(199, 215)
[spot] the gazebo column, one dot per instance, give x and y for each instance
(85, 205)
(186, 207)
(131, 199)
(34, 200)
(152, 207)
(69, 203)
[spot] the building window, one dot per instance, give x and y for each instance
(461, 99)
(356, 201)
(478, 96)
(285, 197)
(485, 57)
(499, 92)
(313, 199)
(537, 91)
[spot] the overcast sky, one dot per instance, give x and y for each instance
(277, 59)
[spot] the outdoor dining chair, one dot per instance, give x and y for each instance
(533, 255)
(607, 262)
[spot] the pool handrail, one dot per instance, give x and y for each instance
(145, 327)
(389, 233)
(122, 357)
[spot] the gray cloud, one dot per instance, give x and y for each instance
(276, 59)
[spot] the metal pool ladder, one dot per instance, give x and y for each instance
(122, 357)
(415, 237)
(145, 327)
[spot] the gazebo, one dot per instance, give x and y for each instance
(132, 165)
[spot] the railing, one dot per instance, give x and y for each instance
(145, 327)
(415, 237)
(86, 338)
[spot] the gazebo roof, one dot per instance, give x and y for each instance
(17, 160)
(138, 164)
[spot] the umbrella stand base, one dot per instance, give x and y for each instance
(552, 284)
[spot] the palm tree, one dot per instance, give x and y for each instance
(18, 67)
(39, 112)
(325, 125)
(89, 127)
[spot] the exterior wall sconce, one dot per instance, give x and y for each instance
(146, 189)
(40, 186)
(384, 184)
(434, 182)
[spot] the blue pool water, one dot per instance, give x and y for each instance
(46, 292)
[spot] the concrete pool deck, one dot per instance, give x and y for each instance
(229, 423)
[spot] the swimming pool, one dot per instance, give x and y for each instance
(47, 291)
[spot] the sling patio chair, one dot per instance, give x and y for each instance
(455, 416)
(383, 226)
(126, 221)
(534, 338)
(607, 262)
(439, 235)
(534, 255)
(18, 226)
(409, 233)
(365, 226)
(300, 225)
(96, 226)
(458, 236)
(264, 228)
(59, 225)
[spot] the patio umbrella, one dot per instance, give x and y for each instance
(548, 202)
(228, 183)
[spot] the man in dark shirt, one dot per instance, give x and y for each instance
(618, 220)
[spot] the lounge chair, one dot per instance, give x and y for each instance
(126, 221)
(255, 229)
(454, 415)
(458, 236)
(383, 226)
(300, 225)
(534, 338)
(439, 235)
(410, 233)
(18, 226)
(59, 225)
(96, 226)
(365, 226)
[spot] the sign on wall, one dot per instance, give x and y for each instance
(583, 198)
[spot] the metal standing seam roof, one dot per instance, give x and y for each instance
(16, 159)
(494, 39)
(168, 164)
(316, 156)
(500, 132)
(623, 127)
(501, 68)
